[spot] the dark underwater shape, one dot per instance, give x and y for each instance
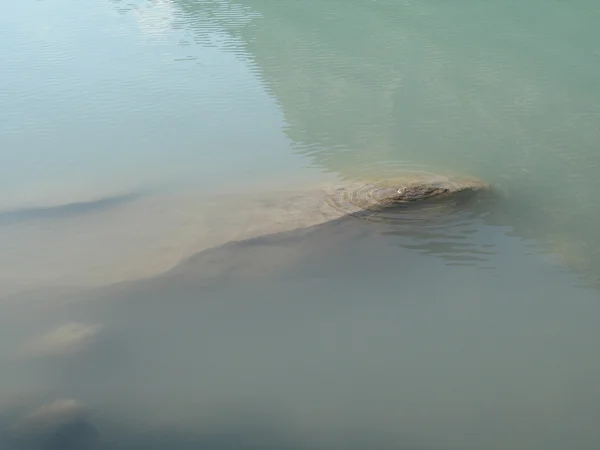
(83, 434)
(339, 247)
(67, 210)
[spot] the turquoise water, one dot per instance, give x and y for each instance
(98, 101)
(170, 279)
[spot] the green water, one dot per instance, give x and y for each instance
(169, 281)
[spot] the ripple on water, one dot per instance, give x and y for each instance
(365, 191)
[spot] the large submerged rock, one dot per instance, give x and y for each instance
(153, 233)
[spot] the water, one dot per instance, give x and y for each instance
(177, 270)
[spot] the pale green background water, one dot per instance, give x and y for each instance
(334, 339)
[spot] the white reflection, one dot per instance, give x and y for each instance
(66, 340)
(155, 18)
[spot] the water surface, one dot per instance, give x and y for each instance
(173, 276)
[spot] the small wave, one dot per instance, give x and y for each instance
(364, 196)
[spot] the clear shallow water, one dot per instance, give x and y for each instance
(140, 139)
(98, 101)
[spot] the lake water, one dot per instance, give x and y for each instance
(180, 267)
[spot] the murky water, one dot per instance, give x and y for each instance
(188, 253)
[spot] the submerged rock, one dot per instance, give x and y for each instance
(60, 425)
(107, 247)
